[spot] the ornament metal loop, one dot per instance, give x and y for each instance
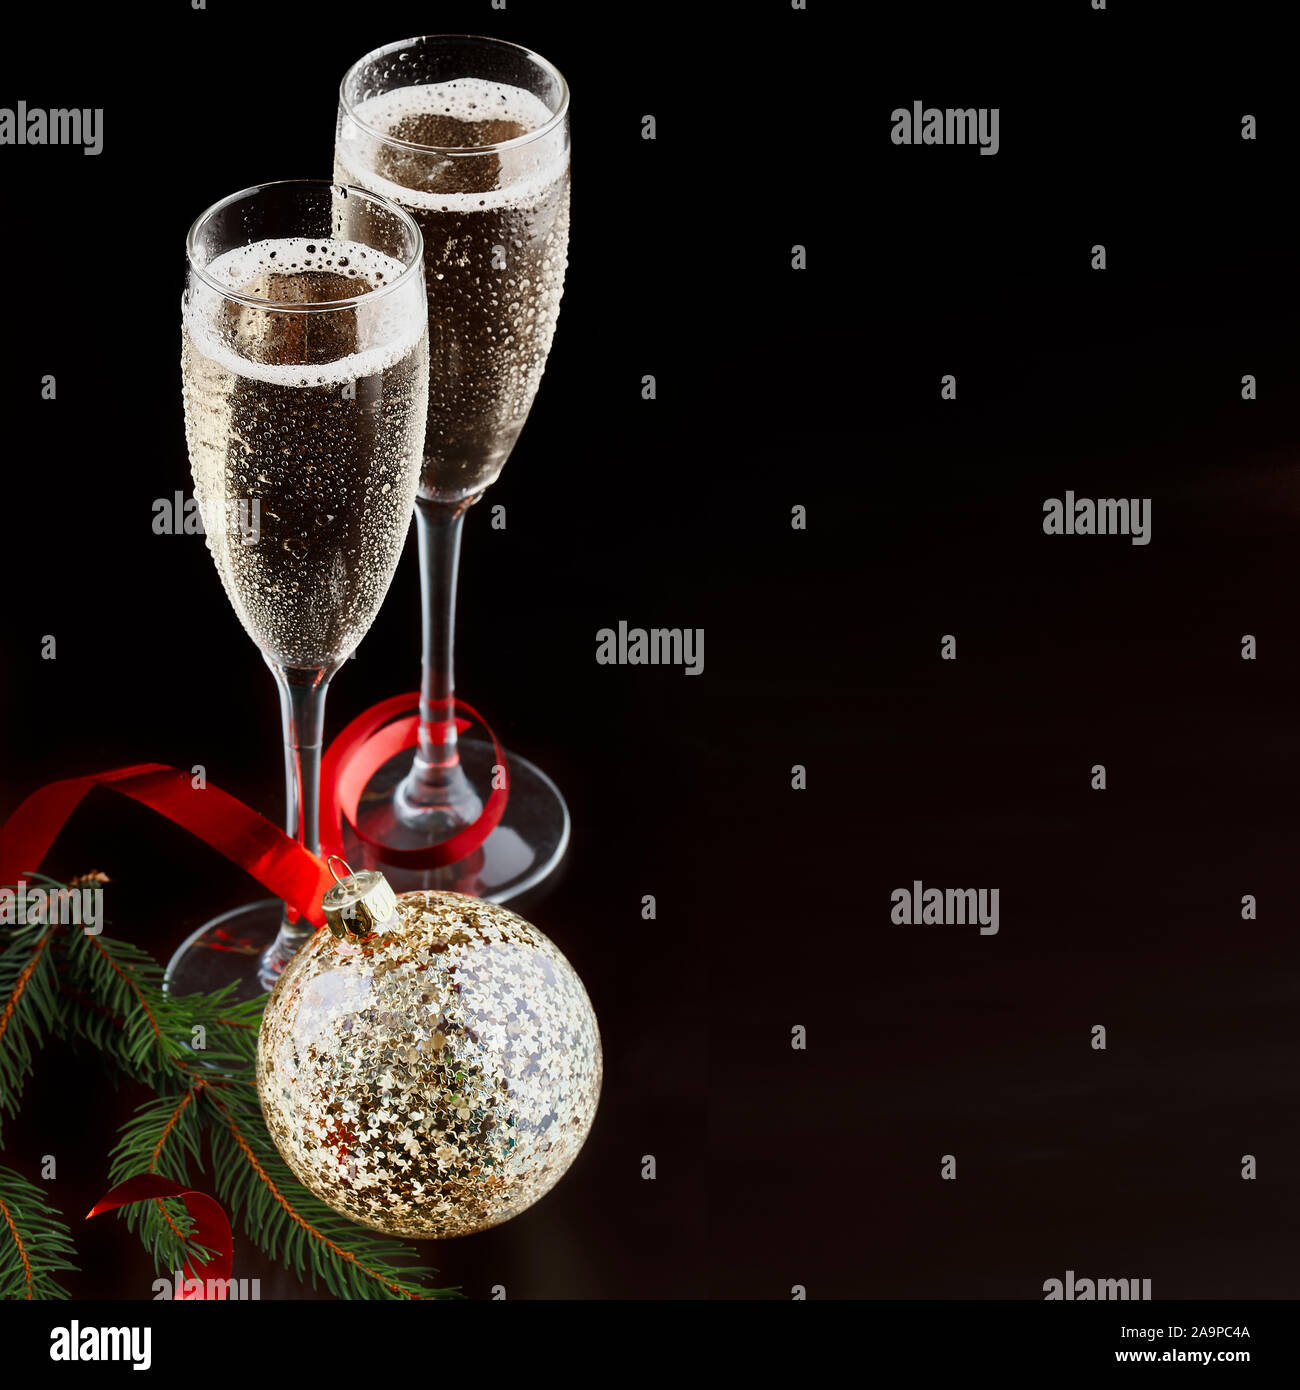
(359, 903)
(329, 864)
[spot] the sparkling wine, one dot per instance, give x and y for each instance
(305, 432)
(496, 231)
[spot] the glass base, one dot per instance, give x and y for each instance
(227, 950)
(524, 848)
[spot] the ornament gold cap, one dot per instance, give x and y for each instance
(358, 903)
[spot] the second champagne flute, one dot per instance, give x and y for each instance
(471, 136)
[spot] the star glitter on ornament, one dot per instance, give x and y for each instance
(456, 1049)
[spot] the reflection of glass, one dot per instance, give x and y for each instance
(471, 136)
(303, 360)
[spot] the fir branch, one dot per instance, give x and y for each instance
(197, 1053)
(35, 1244)
(162, 1137)
(159, 1035)
(30, 991)
(126, 982)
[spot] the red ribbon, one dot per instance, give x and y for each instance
(277, 862)
(211, 1229)
(296, 876)
(363, 747)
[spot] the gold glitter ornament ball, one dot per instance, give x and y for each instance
(435, 1077)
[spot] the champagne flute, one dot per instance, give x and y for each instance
(304, 358)
(471, 136)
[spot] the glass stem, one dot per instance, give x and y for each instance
(436, 796)
(302, 715)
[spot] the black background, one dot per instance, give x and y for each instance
(775, 387)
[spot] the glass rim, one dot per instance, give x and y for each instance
(462, 151)
(412, 267)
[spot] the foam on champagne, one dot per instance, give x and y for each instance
(287, 271)
(475, 102)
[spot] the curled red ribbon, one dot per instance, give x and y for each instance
(363, 747)
(211, 1230)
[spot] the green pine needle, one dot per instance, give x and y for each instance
(35, 1244)
(29, 1005)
